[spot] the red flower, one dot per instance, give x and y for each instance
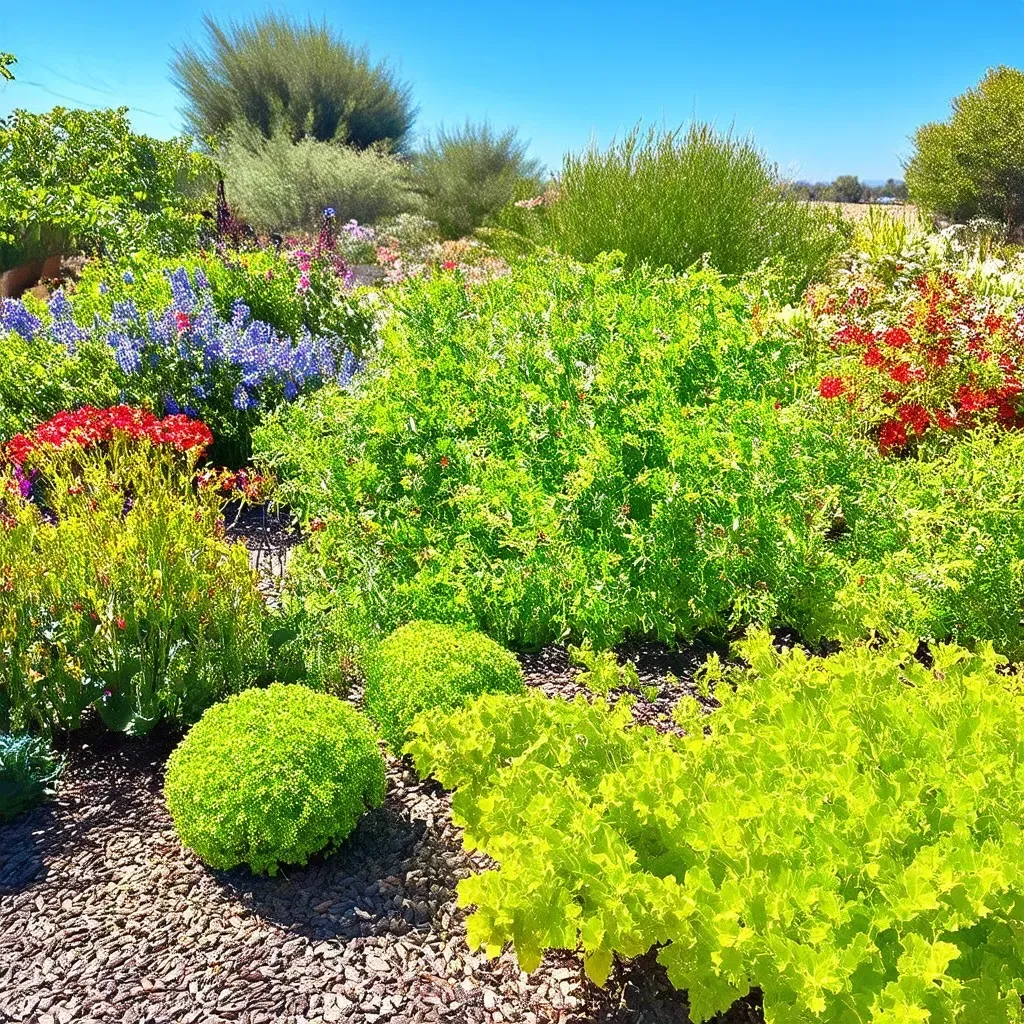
(831, 387)
(904, 373)
(316, 525)
(892, 435)
(873, 357)
(120, 623)
(945, 420)
(182, 322)
(444, 462)
(970, 399)
(897, 337)
(993, 323)
(449, 264)
(914, 416)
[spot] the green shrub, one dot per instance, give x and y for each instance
(565, 450)
(670, 199)
(969, 166)
(83, 180)
(425, 665)
(28, 769)
(467, 175)
(280, 185)
(842, 833)
(273, 73)
(273, 776)
(123, 596)
(38, 378)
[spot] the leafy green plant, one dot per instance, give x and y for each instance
(425, 665)
(273, 73)
(890, 890)
(468, 174)
(39, 377)
(83, 180)
(143, 610)
(564, 451)
(281, 185)
(969, 166)
(603, 673)
(272, 777)
(28, 770)
(670, 199)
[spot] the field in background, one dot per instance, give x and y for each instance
(861, 211)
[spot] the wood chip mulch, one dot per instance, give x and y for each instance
(105, 918)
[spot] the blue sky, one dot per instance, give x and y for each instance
(824, 88)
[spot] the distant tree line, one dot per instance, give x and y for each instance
(848, 188)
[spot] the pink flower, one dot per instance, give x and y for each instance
(303, 282)
(182, 322)
(449, 264)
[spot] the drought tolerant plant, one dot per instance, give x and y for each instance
(567, 450)
(188, 358)
(670, 199)
(468, 174)
(28, 770)
(80, 180)
(272, 777)
(969, 166)
(841, 833)
(117, 589)
(275, 73)
(425, 665)
(281, 185)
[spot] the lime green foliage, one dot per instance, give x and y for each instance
(890, 889)
(969, 166)
(39, 378)
(6, 60)
(566, 450)
(669, 199)
(83, 180)
(281, 185)
(136, 607)
(28, 769)
(603, 673)
(273, 776)
(426, 665)
(303, 79)
(468, 174)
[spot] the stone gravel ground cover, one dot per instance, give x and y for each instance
(104, 917)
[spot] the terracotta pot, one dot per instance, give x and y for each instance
(51, 267)
(16, 280)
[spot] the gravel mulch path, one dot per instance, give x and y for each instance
(105, 918)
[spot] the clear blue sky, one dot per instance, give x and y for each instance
(825, 88)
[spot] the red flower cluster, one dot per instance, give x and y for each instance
(88, 427)
(944, 359)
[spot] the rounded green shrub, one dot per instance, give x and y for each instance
(272, 776)
(426, 665)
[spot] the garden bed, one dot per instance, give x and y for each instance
(105, 917)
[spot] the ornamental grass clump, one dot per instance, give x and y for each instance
(427, 665)
(272, 777)
(842, 833)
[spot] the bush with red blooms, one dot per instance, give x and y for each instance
(935, 356)
(88, 427)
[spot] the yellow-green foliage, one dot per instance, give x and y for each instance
(126, 598)
(426, 665)
(843, 833)
(273, 776)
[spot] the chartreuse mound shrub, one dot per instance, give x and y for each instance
(273, 776)
(425, 665)
(28, 769)
(843, 833)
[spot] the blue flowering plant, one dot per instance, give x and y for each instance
(190, 358)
